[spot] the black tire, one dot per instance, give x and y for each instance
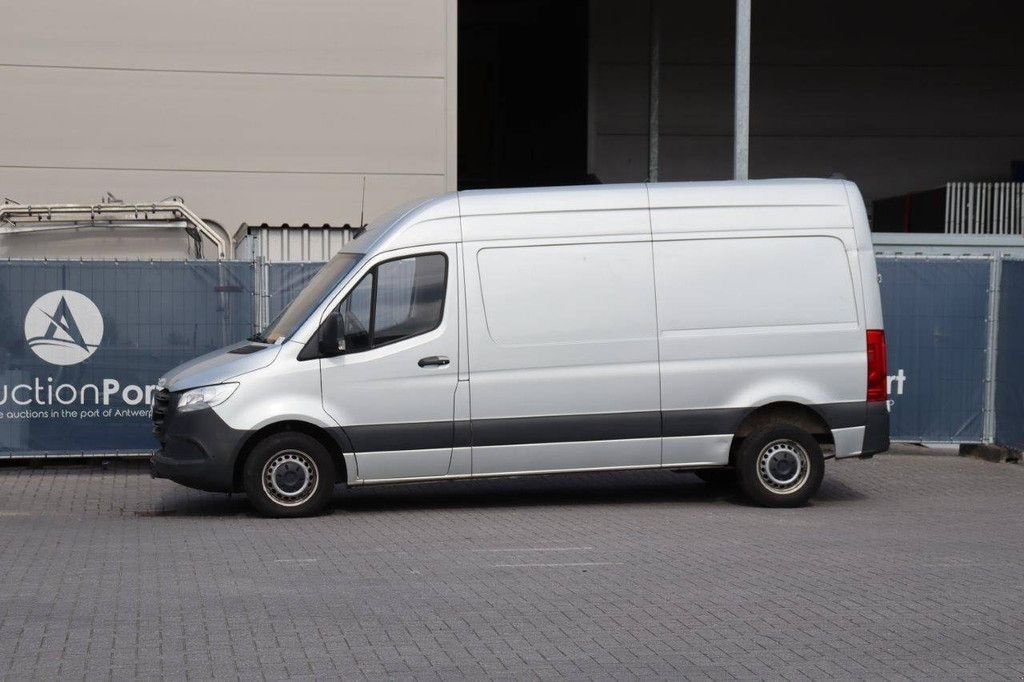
(780, 465)
(299, 475)
(717, 478)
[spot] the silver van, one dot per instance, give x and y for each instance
(730, 328)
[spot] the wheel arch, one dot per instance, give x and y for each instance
(789, 412)
(322, 435)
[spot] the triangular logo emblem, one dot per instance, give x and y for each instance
(62, 320)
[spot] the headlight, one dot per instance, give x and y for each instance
(205, 396)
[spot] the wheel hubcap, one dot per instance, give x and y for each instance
(783, 466)
(290, 478)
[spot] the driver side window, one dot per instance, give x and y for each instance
(396, 300)
(354, 314)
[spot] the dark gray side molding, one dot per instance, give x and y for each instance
(576, 428)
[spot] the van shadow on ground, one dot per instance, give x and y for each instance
(599, 489)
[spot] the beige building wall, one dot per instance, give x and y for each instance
(255, 111)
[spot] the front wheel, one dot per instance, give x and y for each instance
(780, 465)
(289, 474)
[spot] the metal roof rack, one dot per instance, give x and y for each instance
(16, 218)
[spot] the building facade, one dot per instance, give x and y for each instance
(253, 112)
(271, 112)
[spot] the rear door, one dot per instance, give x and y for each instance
(756, 305)
(392, 391)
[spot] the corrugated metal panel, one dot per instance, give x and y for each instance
(285, 244)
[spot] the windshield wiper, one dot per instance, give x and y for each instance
(258, 338)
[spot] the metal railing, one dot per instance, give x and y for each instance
(171, 212)
(985, 208)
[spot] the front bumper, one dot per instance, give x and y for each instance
(197, 449)
(201, 475)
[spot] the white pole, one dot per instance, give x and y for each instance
(741, 134)
(949, 202)
(997, 208)
(654, 125)
(956, 208)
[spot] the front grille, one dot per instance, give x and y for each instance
(161, 407)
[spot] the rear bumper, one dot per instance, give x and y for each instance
(198, 449)
(876, 429)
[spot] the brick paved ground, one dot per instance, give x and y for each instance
(904, 567)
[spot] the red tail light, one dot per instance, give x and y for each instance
(876, 366)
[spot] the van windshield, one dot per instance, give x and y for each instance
(314, 293)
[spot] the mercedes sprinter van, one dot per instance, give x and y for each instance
(731, 328)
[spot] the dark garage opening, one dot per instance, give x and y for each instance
(900, 98)
(522, 93)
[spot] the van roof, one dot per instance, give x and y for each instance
(784, 192)
(799, 203)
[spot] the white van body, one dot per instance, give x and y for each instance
(570, 329)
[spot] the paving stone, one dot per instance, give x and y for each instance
(903, 567)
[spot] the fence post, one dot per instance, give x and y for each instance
(256, 305)
(261, 275)
(995, 277)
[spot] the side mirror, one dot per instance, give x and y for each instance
(332, 341)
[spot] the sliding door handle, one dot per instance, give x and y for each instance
(434, 361)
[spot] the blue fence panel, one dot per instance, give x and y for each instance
(285, 281)
(936, 331)
(1010, 357)
(82, 344)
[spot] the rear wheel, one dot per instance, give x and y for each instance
(780, 465)
(289, 474)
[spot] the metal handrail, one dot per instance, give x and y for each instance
(171, 212)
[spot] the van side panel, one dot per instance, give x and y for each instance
(562, 348)
(747, 319)
(748, 283)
